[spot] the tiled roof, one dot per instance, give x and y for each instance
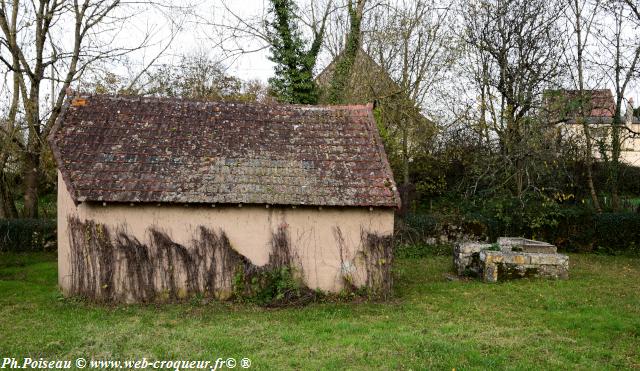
(566, 103)
(135, 149)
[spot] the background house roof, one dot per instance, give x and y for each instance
(368, 80)
(565, 104)
(134, 149)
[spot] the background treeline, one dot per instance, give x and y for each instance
(459, 89)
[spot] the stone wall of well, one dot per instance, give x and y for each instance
(510, 258)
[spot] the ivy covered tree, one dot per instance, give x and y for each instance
(293, 80)
(345, 61)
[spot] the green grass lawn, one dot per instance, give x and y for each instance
(591, 321)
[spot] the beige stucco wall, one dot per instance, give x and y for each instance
(249, 229)
(630, 149)
(631, 146)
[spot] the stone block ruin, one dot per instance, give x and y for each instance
(510, 258)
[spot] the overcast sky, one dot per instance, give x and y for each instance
(199, 35)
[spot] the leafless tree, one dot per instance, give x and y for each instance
(581, 16)
(235, 34)
(619, 59)
(413, 41)
(519, 46)
(52, 41)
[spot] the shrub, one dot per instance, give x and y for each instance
(422, 250)
(416, 227)
(273, 287)
(617, 233)
(572, 228)
(27, 235)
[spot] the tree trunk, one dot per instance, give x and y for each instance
(406, 181)
(484, 131)
(344, 65)
(512, 149)
(31, 163)
(615, 163)
(589, 165)
(7, 206)
(31, 173)
(585, 125)
(5, 212)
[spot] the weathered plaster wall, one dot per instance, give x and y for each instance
(630, 151)
(325, 242)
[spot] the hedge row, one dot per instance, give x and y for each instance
(607, 232)
(573, 229)
(27, 234)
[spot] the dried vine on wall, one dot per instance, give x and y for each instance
(278, 283)
(92, 259)
(378, 252)
(121, 268)
(124, 269)
(377, 259)
(108, 266)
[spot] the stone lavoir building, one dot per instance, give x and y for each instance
(166, 198)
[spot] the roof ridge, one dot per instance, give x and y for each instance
(139, 98)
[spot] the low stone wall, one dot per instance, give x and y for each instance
(466, 258)
(503, 265)
(510, 258)
(526, 245)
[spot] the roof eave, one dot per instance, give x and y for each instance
(55, 150)
(383, 156)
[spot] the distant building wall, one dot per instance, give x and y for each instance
(630, 151)
(631, 146)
